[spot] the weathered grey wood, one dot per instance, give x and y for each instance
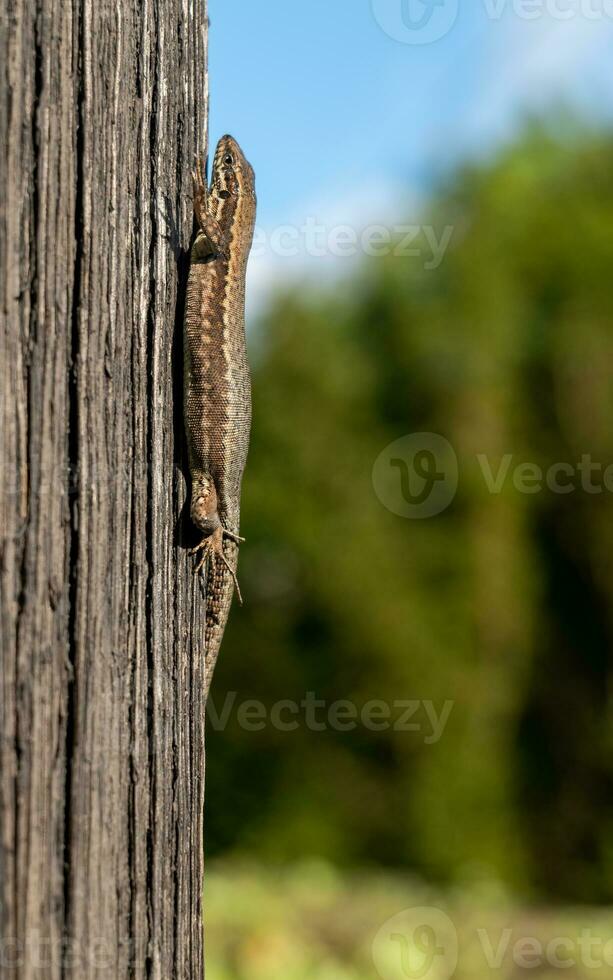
(101, 696)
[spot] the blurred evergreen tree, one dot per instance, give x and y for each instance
(503, 603)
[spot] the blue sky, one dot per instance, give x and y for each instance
(348, 114)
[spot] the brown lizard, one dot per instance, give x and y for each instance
(217, 394)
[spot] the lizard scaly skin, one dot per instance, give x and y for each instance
(217, 395)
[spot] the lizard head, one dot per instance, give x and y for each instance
(232, 174)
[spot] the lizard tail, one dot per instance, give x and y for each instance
(220, 579)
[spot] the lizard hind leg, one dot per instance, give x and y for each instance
(212, 548)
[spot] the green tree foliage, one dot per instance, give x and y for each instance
(501, 604)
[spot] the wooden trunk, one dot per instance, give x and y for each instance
(103, 106)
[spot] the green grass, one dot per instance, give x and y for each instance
(311, 922)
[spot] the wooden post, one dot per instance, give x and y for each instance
(103, 106)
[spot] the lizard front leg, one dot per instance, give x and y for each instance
(215, 240)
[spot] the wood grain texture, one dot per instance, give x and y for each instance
(101, 696)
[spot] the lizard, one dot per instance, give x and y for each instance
(217, 383)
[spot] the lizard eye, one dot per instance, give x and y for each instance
(228, 159)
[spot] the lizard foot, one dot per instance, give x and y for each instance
(234, 537)
(200, 189)
(213, 547)
(217, 239)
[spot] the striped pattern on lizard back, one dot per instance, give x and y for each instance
(217, 399)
